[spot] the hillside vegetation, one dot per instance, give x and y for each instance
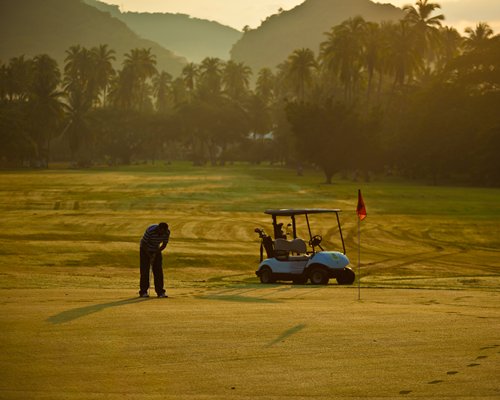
(303, 27)
(192, 38)
(33, 27)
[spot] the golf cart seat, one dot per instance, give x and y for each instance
(290, 246)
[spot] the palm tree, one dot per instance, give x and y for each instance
(385, 64)
(17, 78)
(142, 62)
(342, 53)
(79, 66)
(72, 64)
(259, 115)
(373, 52)
(478, 36)
(180, 93)
(265, 85)
(46, 108)
(283, 87)
(4, 82)
(425, 25)
(141, 66)
(80, 73)
(123, 90)
(403, 59)
(210, 76)
(190, 74)
(236, 78)
(103, 62)
(162, 88)
(301, 71)
(77, 129)
(450, 45)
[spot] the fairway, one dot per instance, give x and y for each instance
(73, 328)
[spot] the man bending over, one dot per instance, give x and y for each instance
(155, 240)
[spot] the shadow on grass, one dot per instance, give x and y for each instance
(75, 313)
(286, 334)
(237, 298)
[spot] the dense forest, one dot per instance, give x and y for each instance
(411, 98)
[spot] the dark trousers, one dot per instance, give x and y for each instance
(145, 265)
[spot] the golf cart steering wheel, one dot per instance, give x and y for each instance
(315, 240)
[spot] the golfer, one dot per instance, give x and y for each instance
(155, 240)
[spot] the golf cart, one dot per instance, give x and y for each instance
(294, 260)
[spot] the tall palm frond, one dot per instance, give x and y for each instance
(302, 64)
(478, 36)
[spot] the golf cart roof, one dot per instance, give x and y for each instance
(288, 212)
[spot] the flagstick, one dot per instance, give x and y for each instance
(361, 211)
(359, 259)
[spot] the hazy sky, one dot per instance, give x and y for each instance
(238, 13)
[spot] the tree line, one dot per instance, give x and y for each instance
(411, 98)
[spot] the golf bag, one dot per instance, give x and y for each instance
(265, 243)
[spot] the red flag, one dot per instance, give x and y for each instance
(361, 209)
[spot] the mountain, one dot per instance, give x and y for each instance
(33, 27)
(303, 26)
(190, 37)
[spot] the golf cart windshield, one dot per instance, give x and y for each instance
(292, 212)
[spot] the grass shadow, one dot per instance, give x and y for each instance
(237, 298)
(75, 313)
(286, 334)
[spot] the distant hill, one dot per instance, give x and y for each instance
(303, 26)
(33, 27)
(190, 37)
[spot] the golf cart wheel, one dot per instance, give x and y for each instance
(347, 277)
(266, 275)
(318, 276)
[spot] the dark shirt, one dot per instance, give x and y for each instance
(152, 239)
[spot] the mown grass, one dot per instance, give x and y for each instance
(73, 327)
(95, 218)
